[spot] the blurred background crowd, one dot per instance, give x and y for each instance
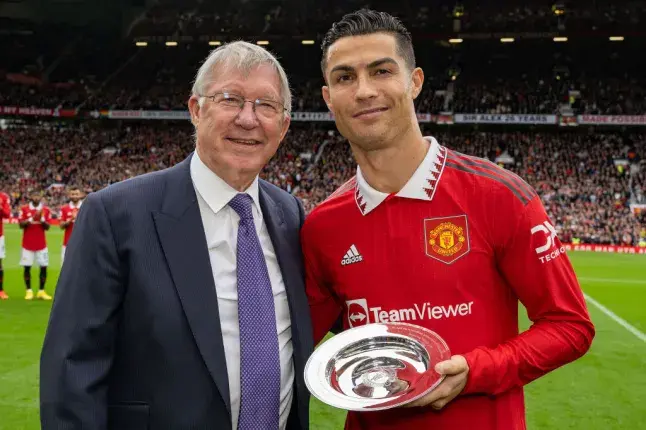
(478, 59)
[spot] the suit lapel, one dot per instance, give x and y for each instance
(181, 233)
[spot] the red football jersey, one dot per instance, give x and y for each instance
(33, 238)
(453, 251)
(68, 213)
(5, 210)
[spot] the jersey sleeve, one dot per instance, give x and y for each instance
(324, 306)
(533, 261)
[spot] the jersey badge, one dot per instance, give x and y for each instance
(447, 238)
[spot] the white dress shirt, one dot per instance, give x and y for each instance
(221, 230)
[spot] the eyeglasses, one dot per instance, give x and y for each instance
(269, 109)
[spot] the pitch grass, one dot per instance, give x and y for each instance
(606, 389)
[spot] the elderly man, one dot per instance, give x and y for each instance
(182, 304)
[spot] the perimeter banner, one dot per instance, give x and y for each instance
(473, 118)
(611, 119)
(613, 249)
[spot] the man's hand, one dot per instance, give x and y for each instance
(456, 370)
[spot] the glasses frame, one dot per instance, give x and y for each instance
(254, 102)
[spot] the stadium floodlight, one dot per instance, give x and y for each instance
(616, 38)
(141, 43)
(455, 40)
(560, 39)
(171, 43)
(307, 42)
(215, 43)
(263, 42)
(507, 39)
(558, 9)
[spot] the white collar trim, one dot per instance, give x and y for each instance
(215, 191)
(422, 185)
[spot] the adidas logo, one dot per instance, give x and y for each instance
(352, 256)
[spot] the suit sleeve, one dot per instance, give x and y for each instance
(79, 343)
(301, 212)
(324, 306)
(534, 264)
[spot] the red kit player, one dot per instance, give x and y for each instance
(5, 212)
(35, 218)
(68, 216)
(432, 237)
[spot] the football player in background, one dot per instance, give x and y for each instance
(425, 235)
(5, 212)
(68, 215)
(35, 218)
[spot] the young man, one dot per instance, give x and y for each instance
(68, 216)
(35, 219)
(5, 212)
(429, 236)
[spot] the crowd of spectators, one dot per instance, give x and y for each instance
(194, 17)
(164, 91)
(59, 67)
(583, 179)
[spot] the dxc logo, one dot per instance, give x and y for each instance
(549, 233)
(550, 236)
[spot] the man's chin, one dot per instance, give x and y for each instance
(369, 139)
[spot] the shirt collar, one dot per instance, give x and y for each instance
(32, 207)
(76, 206)
(420, 186)
(215, 192)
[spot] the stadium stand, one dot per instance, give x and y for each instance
(566, 117)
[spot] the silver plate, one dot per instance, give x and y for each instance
(376, 366)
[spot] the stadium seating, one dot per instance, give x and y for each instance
(585, 191)
(69, 81)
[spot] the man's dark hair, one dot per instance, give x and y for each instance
(365, 21)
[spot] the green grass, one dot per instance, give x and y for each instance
(606, 389)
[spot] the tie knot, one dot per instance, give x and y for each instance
(241, 203)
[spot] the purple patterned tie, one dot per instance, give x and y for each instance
(259, 356)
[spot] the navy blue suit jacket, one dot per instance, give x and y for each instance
(134, 338)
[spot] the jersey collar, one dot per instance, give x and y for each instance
(420, 186)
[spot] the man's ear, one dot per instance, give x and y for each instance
(194, 109)
(287, 119)
(417, 79)
(325, 90)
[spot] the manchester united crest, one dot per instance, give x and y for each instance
(447, 238)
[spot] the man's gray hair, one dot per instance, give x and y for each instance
(243, 57)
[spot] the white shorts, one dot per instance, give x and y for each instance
(3, 252)
(41, 257)
(63, 254)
